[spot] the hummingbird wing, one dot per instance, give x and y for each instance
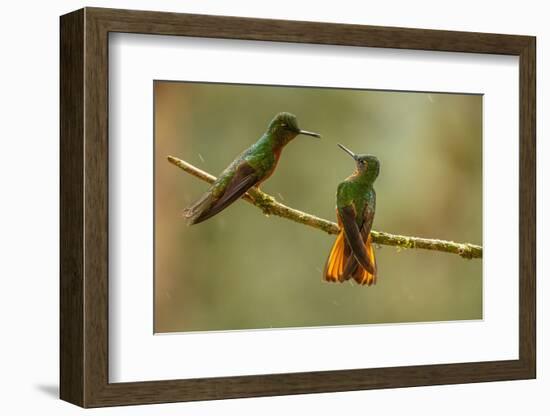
(352, 269)
(356, 235)
(362, 276)
(359, 274)
(242, 180)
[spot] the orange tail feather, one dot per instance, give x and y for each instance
(337, 260)
(334, 266)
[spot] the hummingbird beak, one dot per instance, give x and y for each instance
(309, 133)
(349, 152)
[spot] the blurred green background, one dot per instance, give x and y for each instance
(241, 270)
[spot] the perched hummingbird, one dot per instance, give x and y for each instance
(352, 254)
(250, 168)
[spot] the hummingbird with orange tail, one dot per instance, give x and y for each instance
(250, 168)
(352, 255)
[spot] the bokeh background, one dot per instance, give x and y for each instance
(242, 270)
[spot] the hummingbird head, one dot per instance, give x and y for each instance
(367, 166)
(284, 128)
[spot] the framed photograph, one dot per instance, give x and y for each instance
(255, 207)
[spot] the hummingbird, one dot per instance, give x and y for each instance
(250, 168)
(352, 255)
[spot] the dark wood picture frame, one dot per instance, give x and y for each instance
(84, 207)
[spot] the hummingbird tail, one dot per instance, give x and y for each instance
(341, 265)
(194, 212)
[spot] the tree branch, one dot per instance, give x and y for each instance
(270, 206)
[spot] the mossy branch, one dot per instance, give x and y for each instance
(270, 206)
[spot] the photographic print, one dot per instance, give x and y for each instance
(293, 207)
